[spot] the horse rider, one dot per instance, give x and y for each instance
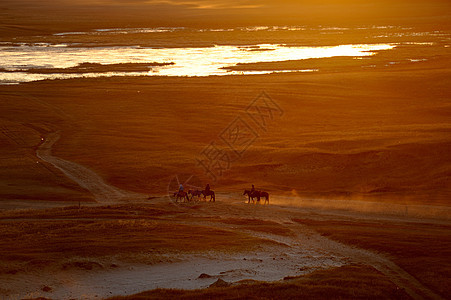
(253, 189)
(207, 189)
(181, 188)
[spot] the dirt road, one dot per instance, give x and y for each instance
(305, 238)
(86, 178)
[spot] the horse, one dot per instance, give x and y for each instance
(265, 195)
(256, 194)
(195, 193)
(252, 195)
(209, 193)
(181, 195)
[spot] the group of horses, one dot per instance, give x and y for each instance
(189, 196)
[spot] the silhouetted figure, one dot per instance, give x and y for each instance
(181, 188)
(209, 192)
(256, 194)
(252, 195)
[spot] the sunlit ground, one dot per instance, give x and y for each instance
(354, 154)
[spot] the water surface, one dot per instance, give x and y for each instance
(20, 61)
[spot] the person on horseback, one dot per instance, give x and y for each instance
(181, 188)
(253, 189)
(208, 192)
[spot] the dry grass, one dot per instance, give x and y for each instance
(355, 281)
(423, 250)
(259, 225)
(346, 130)
(94, 238)
(373, 133)
(118, 211)
(30, 240)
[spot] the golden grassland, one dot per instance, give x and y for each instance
(52, 238)
(364, 133)
(420, 249)
(371, 129)
(374, 128)
(87, 238)
(93, 238)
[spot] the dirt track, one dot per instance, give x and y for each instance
(305, 238)
(310, 239)
(86, 178)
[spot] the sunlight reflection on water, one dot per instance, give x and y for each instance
(20, 60)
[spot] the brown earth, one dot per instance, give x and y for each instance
(355, 281)
(376, 128)
(374, 134)
(404, 257)
(373, 129)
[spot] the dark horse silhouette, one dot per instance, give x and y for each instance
(209, 193)
(252, 195)
(181, 195)
(265, 195)
(195, 193)
(256, 194)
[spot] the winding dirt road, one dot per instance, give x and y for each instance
(86, 178)
(305, 237)
(397, 275)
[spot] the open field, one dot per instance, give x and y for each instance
(353, 133)
(375, 128)
(353, 150)
(57, 247)
(353, 281)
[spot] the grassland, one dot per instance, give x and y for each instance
(92, 240)
(374, 129)
(355, 281)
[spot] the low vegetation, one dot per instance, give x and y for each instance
(422, 249)
(354, 281)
